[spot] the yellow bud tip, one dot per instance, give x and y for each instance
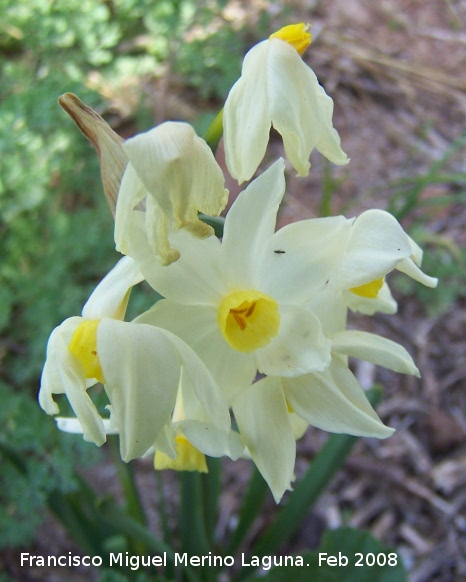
(297, 35)
(83, 346)
(248, 320)
(369, 290)
(188, 458)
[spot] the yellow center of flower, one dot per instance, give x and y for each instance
(188, 458)
(369, 290)
(83, 345)
(248, 320)
(297, 35)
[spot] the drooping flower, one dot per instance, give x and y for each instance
(141, 368)
(173, 175)
(278, 89)
(276, 302)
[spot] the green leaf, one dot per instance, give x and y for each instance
(211, 486)
(345, 555)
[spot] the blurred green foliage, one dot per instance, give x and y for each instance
(443, 257)
(34, 463)
(56, 234)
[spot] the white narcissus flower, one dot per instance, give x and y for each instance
(278, 89)
(141, 368)
(225, 302)
(172, 175)
(277, 302)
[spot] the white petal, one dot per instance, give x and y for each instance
(57, 355)
(179, 169)
(180, 173)
(210, 440)
(377, 245)
(299, 348)
(334, 401)
(141, 368)
(416, 252)
(110, 297)
(197, 326)
(63, 374)
(330, 307)
(303, 256)
(408, 267)
(197, 378)
(196, 277)
(249, 226)
(73, 426)
(384, 302)
(264, 423)
(300, 425)
(376, 349)
(300, 109)
(246, 117)
(166, 442)
(175, 174)
(131, 193)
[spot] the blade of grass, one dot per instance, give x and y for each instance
(411, 197)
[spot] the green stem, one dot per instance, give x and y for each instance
(163, 514)
(194, 539)
(215, 131)
(252, 505)
(128, 484)
(327, 191)
(193, 533)
(211, 492)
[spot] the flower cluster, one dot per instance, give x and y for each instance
(249, 344)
